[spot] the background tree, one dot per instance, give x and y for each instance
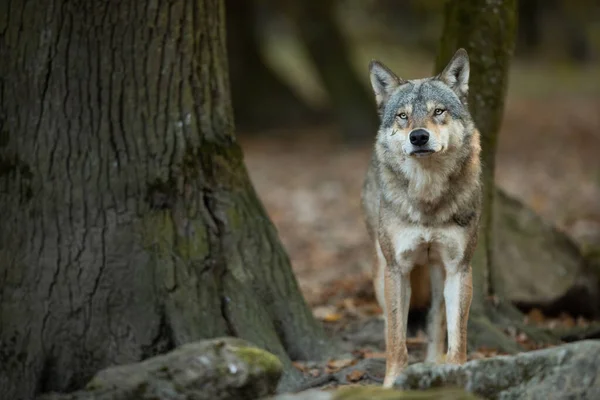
(326, 46)
(129, 223)
(487, 30)
(261, 98)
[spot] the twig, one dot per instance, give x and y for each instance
(319, 381)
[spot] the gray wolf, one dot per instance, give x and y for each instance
(422, 203)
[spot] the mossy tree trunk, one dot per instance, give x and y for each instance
(319, 32)
(261, 99)
(129, 223)
(487, 30)
(529, 33)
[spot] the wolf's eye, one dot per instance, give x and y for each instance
(402, 116)
(439, 111)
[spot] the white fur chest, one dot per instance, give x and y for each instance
(426, 182)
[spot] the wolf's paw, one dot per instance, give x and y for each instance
(456, 359)
(435, 359)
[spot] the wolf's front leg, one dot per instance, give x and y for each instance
(458, 291)
(397, 301)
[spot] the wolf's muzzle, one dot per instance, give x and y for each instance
(419, 137)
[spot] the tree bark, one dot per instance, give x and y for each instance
(129, 223)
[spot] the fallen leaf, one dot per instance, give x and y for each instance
(327, 313)
(355, 375)
(522, 337)
(350, 306)
(567, 321)
(536, 316)
(314, 372)
(374, 355)
(299, 366)
(487, 352)
(332, 317)
(336, 365)
(476, 355)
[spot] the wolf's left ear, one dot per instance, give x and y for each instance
(456, 73)
(383, 80)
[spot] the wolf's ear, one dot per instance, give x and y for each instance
(456, 73)
(383, 80)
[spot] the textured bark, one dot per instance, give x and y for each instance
(261, 99)
(318, 30)
(129, 224)
(487, 30)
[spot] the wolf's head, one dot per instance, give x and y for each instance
(423, 117)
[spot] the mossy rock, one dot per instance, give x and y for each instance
(219, 369)
(379, 393)
(538, 265)
(561, 372)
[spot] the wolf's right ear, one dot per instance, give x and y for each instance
(383, 80)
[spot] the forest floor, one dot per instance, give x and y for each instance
(310, 182)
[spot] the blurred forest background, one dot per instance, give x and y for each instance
(306, 117)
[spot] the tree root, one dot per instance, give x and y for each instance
(488, 326)
(507, 315)
(574, 334)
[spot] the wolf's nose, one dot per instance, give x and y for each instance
(419, 137)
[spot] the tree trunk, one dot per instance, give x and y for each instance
(487, 30)
(129, 223)
(318, 30)
(261, 99)
(529, 33)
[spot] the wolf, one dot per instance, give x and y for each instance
(421, 200)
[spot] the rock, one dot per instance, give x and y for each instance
(539, 266)
(378, 393)
(219, 369)
(567, 371)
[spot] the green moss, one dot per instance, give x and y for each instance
(259, 359)
(195, 246)
(94, 384)
(157, 233)
(379, 393)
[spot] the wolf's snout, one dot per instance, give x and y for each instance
(419, 137)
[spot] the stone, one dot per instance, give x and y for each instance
(540, 266)
(219, 369)
(561, 372)
(378, 393)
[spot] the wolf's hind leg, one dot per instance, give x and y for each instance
(458, 291)
(436, 318)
